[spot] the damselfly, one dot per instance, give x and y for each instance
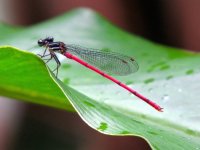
(110, 62)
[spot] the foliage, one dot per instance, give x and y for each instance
(167, 75)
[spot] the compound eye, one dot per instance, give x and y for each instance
(40, 42)
(50, 39)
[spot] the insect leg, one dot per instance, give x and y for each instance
(48, 59)
(43, 58)
(43, 55)
(57, 62)
(53, 55)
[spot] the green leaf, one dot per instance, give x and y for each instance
(167, 75)
(25, 77)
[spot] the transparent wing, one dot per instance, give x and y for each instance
(110, 62)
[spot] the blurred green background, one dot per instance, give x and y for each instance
(28, 126)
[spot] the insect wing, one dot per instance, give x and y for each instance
(110, 62)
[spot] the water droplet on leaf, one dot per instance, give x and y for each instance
(165, 98)
(150, 90)
(179, 90)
